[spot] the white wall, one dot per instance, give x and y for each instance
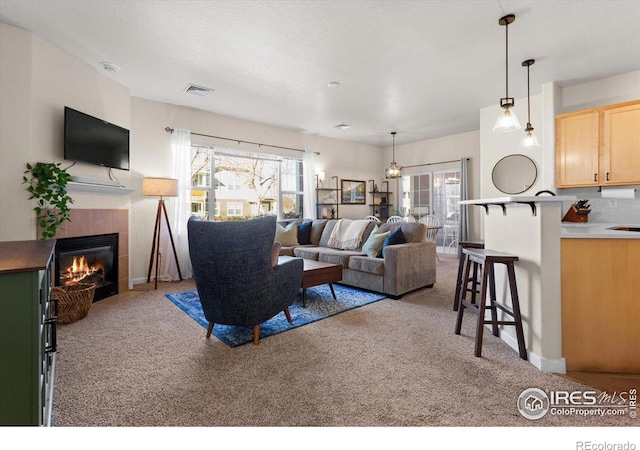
(38, 81)
(433, 151)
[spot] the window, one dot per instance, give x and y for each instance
(245, 184)
(234, 208)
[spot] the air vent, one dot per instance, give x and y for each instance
(198, 90)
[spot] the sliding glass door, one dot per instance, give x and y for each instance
(435, 193)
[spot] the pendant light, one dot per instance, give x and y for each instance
(394, 171)
(507, 121)
(529, 140)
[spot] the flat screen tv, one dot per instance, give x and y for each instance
(91, 140)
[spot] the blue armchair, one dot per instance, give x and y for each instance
(236, 280)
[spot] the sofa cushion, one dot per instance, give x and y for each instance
(395, 238)
(304, 233)
(326, 233)
(310, 252)
(317, 227)
(373, 246)
(413, 231)
(333, 256)
(367, 264)
(367, 232)
(288, 236)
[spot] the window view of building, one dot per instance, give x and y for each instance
(240, 185)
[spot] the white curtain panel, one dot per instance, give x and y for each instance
(181, 148)
(308, 167)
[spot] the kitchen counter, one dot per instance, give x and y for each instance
(570, 230)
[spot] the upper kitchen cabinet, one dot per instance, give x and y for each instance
(621, 146)
(599, 147)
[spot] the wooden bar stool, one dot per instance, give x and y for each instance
(487, 259)
(463, 257)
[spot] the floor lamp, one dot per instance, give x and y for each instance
(162, 187)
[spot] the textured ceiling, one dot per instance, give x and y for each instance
(423, 68)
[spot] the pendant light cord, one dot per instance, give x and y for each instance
(528, 99)
(506, 66)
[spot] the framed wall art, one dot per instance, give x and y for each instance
(353, 192)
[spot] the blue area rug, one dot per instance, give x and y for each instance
(320, 305)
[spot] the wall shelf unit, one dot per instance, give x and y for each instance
(380, 206)
(327, 200)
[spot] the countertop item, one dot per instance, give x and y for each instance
(598, 231)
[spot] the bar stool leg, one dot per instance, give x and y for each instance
(462, 296)
(492, 294)
(474, 283)
(516, 311)
(456, 300)
(481, 308)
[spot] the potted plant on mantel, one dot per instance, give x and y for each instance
(47, 183)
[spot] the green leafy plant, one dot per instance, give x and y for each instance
(47, 183)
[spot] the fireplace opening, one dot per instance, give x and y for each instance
(89, 259)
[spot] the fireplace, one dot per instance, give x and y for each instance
(88, 259)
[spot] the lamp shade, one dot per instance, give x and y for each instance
(529, 140)
(507, 121)
(163, 187)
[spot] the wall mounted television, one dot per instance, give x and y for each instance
(90, 140)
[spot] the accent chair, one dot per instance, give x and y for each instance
(236, 278)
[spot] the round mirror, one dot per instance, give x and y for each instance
(514, 174)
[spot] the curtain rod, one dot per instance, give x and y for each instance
(170, 130)
(431, 164)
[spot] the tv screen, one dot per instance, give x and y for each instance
(91, 140)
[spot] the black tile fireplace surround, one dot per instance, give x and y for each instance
(88, 259)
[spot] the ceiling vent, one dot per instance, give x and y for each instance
(198, 90)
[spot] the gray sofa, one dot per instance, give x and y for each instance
(404, 268)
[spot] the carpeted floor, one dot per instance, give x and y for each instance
(143, 362)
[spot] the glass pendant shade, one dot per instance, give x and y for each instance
(529, 140)
(507, 121)
(394, 171)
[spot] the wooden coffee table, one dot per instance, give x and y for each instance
(316, 273)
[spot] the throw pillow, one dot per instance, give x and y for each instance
(304, 233)
(288, 236)
(397, 237)
(373, 246)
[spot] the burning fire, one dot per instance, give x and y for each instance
(81, 271)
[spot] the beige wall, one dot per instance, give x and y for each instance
(38, 81)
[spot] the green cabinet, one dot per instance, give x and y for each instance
(27, 334)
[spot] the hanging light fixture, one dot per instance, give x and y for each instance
(507, 121)
(394, 171)
(529, 140)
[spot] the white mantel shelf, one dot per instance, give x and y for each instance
(90, 188)
(530, 200)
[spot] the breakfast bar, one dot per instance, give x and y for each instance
(529, 227)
